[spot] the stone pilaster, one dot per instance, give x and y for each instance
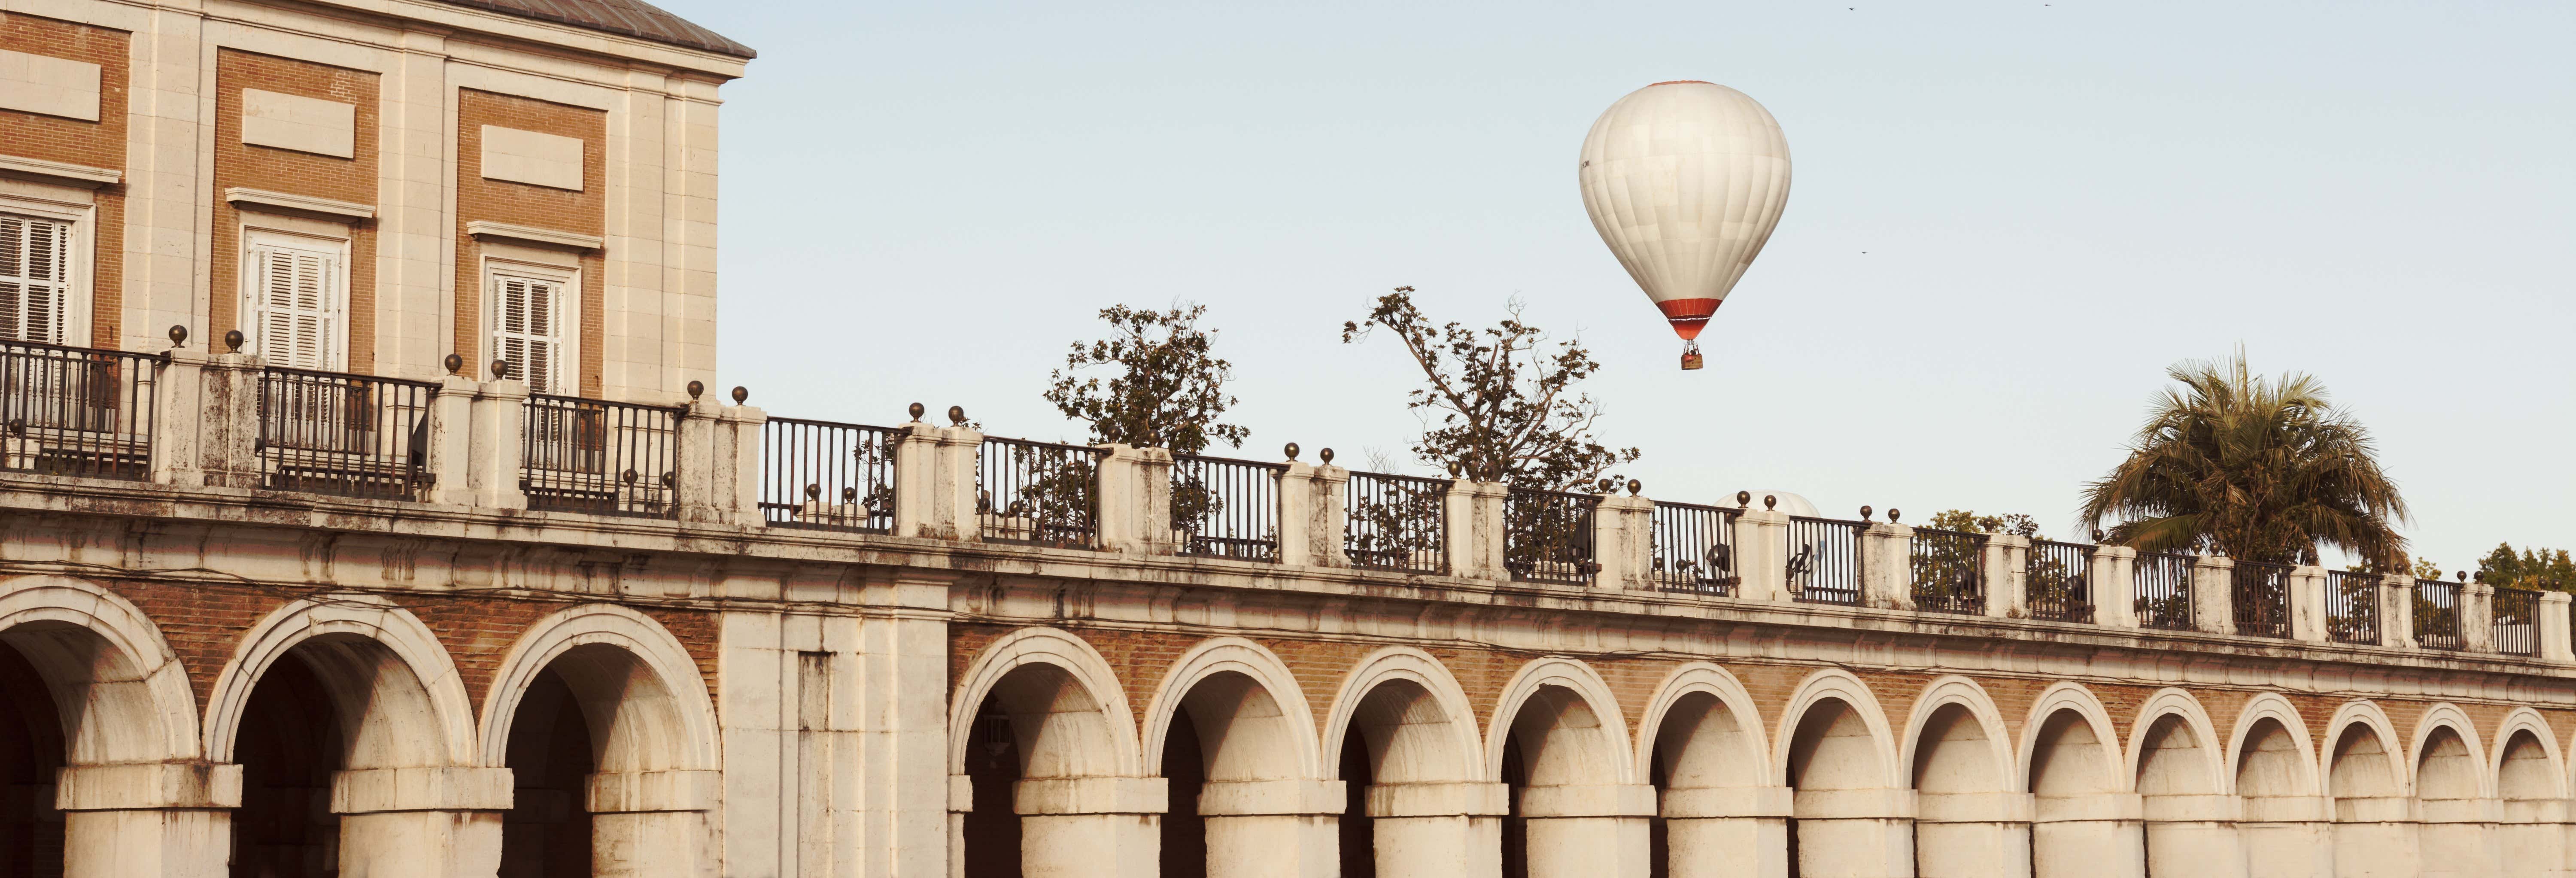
(1886, 557)
(2114, 586)
(2213, 594)
(1439, 828)
(1623, 542)
(159, 819)
(2007, 560)
(1728, 832)
(1475, 511)
(497, 447)
(1761, 541)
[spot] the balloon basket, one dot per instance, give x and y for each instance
(1690, 357)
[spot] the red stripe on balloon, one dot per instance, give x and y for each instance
(1688, 316)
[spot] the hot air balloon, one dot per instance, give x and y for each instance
(1685, 180)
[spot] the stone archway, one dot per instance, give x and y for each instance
(2177, 760)
(1971, 817)
(1560, 746)
(1403, 738)
(2085, 820)
(2531, 837)
(2451, 794)
(1854, 816)
(2374, 830)
(1233, 740)
(605, 724)
(1041, 739)
(1722, 814)
(2284, 826)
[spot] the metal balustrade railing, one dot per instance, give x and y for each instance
(2260, 597)
(2437, 614)
(1224, 508)
(1398, 523)
(2163, 583)
(1823, 564)
(828, 476)
(73, 411)
(350, 435)
(1948, 569)
(1547, 536)
(2058, 581)
(2515, 622)
(1038, 493)
(600, 457)
(1694, 549)
(2352, 607)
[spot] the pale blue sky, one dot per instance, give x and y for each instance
(2008, 219)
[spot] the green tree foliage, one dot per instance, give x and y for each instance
(2532, 568)
(1507, 410)
(1169, 390)
(1951, 570)
(2252, 468)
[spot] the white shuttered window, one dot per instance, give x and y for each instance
(298, 310)
(35, 277)
(528, 330)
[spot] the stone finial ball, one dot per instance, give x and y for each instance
(1743, 499)
(1892, 515)
(455, 363)
(1864, 513)
(233, 340)
(957, 415)
(178, 334)
(1327, 455)
(1635, 486)
(1770, 501)
(740, 393)
(1291, 449)
(813, 491)
(697, 389)
(500, 369)
(915, 411)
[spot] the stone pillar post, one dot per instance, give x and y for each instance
(497, 445)
(2008, 576)
(2213, 594)
(1761, 541)
(2397, 610)
(164, 819)
(2308, 603)
(2379, 831)
(738, 446)
(228, 422)
(1135, 501)
(701, 489)
(1623, 542)
(425, 822)
(1445, 829)
(1475, 511)
(1297, 513)
(179, 405)
(2114, 586)
(1090, 826)
(1721, 832)
(2097, 835)
(1273, 828)
(2554, 644)
(650, 824)
(1589, 830)
(2194, 835)
(1886, 559)
(917, 489)
(2288, 836)
(1972, 835)
(1855, 833)
(451, 438)
(2477, 617)
(957, 510)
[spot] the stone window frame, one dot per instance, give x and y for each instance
(560, 268)
(78, 210)
(298, 233)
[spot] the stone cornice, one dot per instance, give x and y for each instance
(60, 172)
(262, 198)
(534, 235)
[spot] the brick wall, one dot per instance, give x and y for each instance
(584, 212)
(99, 144)
(300, 173)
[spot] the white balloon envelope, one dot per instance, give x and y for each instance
(1685, 180)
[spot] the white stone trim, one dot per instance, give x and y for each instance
(2195, 718)
(1608, 744)
(1234, 655)
(1694, 678)
(681, 714)
(2270, 705)
(254, 199)
(1407, 664)
(159, 722)
(2066, 696)
(76, 206)
(534, 235)
(1059, 649)
(60, 172)
(1952, 689)
(1842, 685)
(444, 736)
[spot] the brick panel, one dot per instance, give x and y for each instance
(99, 144)
(352, 180)
(584, 212)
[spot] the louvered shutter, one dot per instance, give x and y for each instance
(526, 330)
(35, 278)
(295, 299)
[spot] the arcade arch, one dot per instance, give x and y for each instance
(1402, 737)
(1560, 747)
(1970, 817)
(1851, 815)
(1042, 733)
(2085, 820)
(1232, 737)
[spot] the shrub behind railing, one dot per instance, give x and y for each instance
(2058, 581)
(2352, 607)
(1948, 570)
(1398, 523)
(1038, 493)
(1547, 536)
(2260, 594)
(1226, 508)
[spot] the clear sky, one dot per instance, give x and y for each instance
(2007, 220)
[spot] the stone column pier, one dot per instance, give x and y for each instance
(1719, 832)
(1438, 829)
(1588, 831)
(649, 824)
(420, 822)
(2194, 834)
(2096, 835)
(1273, 828)
(1971, 835)
(1090, 827)
(165, 819)
(2288, 836)
(1867, 833)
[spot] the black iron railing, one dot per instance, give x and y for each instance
(351, 435)
(2058, 581)
(76, 411)
(1547, 536)
(1397, 523)
(1949, 571)
(2352, 607)
(2163, 582)
(2437, 614)
(2260, 595)
(1038, 493)
(2516, 621)
(1824, 560)
(1695, 549)
(600, 457)
(828, 476)
(1223, 508)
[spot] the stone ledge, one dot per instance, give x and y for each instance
(373, 790)
(635, 792)
(2193, 809)
(1247, 798)
(1588, 800)
(148, 786)
(83, 176)
(343, 210)
(1855, 804)
(1462, 799)
(2093, 807)
(534, 235)
(1091, 795)
(1713, 802)
(1973, 807)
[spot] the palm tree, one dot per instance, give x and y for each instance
(2256, 469)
